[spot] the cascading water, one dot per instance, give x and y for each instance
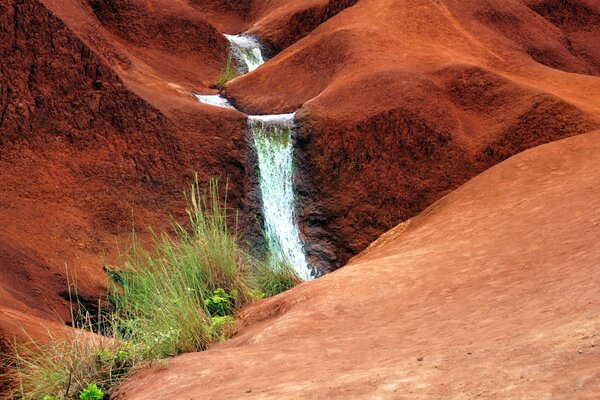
(273, 142)
(246, 51)
(214, 100)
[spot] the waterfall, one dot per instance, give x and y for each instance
(273, 142)
(246, 51)
(214, 100)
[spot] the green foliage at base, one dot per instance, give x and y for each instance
(179, 295)
(274, 278)
(228, 72)
(91, 392)
(64, 367)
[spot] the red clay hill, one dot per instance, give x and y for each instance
(99, 131)
(398, 103)
(492, 293)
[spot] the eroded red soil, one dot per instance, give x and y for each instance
(490, 293)
(399, 103)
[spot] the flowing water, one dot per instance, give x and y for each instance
(214, 100)
(246, 51)
(273, 142)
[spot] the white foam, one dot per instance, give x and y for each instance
(272, 139)
(214, 100)
(246, 50)
(285, 120)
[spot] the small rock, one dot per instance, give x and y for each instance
(420, 359)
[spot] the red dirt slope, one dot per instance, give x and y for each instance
(401, 101)
(490, 293)
(91, 131)
(278, 23)
(97, 122)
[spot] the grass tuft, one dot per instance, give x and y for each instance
(274, 278)
(228, 72)
(64, 367)
(178, 296)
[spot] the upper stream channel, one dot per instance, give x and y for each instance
(272, 138)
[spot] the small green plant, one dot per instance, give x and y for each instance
(220, 303)
(221, 328)
(48, 397)
(228, 72)
(91, 392)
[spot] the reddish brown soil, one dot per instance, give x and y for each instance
(490, 293)
(278, 23)
(400, 102)
(99, 132)
(95, 127)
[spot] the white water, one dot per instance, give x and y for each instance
(214, 100)
(246, 50)
(272, 139)
(273, 142)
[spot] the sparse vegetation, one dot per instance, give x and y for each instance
(65, 367)
(228, 72)
(178, 296)
(275, 278)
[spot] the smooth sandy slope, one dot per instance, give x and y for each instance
(490, 293)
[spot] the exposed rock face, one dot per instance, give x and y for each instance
(53, 85)
(138, 22)
(387, 163)
(278, 23)
(280, 30)
(579, 22)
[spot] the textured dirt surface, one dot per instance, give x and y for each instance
(96, 137)
(278, 23)
(490, 293)
(400, 102)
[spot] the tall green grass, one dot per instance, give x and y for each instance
(178, 295)
(63, 366)
(159, 296)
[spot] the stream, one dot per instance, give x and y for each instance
(273, 144)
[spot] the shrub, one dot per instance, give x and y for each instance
(179, 296)
(62, 368)
(91, 392)
(228, 72)
(164, 299)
